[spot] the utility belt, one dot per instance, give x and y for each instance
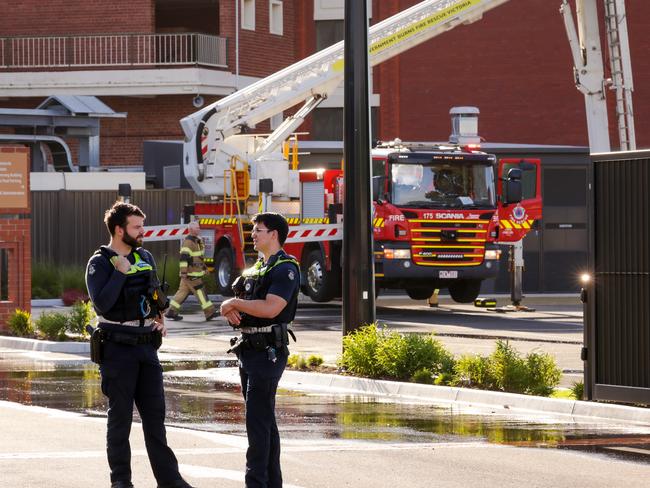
(99, 337)
(128, 323)
(274, 341)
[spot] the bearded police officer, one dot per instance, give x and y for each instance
(268, 298)
(122, 284)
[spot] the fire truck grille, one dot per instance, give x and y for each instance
(448, 242)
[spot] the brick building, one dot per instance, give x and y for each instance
(151, 58)
(15, 233)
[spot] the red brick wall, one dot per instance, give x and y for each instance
(155, 118)
(260, 52)
(15, 237)
(67, 17)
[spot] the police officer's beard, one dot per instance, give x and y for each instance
(130, 241)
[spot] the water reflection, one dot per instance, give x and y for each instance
(202, 404)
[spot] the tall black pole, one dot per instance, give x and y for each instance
(358, 260)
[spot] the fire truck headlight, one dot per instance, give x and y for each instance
(492, 254)
(397, 253)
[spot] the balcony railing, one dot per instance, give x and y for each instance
(120, 50)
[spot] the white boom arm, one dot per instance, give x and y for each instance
(210, 133)
(589, 71)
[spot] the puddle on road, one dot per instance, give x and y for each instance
(201, 404)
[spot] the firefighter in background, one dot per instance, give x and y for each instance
(192, 270)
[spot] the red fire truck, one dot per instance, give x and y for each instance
(439, 213)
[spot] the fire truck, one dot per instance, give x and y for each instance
(439, 211)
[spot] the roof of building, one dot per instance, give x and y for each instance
(80, 105)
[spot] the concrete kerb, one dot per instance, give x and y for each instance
(504, 402)
(25, 344)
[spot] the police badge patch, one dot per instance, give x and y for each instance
(91, 269)
(292, 276)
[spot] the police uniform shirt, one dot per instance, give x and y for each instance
(285, 280)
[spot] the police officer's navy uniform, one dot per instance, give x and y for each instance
(129, 368)
(262, 359)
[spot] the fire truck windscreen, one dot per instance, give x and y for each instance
(466, 185)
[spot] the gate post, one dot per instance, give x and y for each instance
(15, 232)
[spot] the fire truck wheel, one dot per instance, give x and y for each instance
(224, 273)
(321, 285)
(419, 293)
(465, 291)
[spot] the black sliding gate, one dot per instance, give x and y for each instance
(617, 312)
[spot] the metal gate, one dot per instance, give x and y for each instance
(617, 313)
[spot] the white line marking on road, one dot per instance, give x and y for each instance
(227, 474)
(295, 447)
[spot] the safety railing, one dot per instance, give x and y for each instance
(112, 50)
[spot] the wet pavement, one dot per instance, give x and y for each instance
(201, 404)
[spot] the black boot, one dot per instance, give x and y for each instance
(121, 484)
(177, 484)
(173, 315)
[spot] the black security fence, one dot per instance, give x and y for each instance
(67, 226)
(618, 309)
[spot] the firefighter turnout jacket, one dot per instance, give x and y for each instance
(191, 260)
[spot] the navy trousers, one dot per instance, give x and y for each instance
(259, 380)
(132, 373)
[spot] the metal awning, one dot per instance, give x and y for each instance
(77, 105)
(65, 116)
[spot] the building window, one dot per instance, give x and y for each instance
(4, 275)
(328, 32)
(248, 14)
(275, 17)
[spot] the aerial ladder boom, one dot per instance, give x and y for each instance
(211, 134)
(589, 71)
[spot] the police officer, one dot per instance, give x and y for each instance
(267, 304)
(123, 287)
(192, 271)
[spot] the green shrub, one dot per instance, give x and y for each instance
(475, 372)
(508, 368)
(81, 314)
(578, 390)
(543, 374)
(400, 356)
(424, 376)
(360, 351)
(375, 352)
(53, 325)
(20, 323)
(314, 361)
(45, 281)
(292, 360)
(72, 278)
(50, 281)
